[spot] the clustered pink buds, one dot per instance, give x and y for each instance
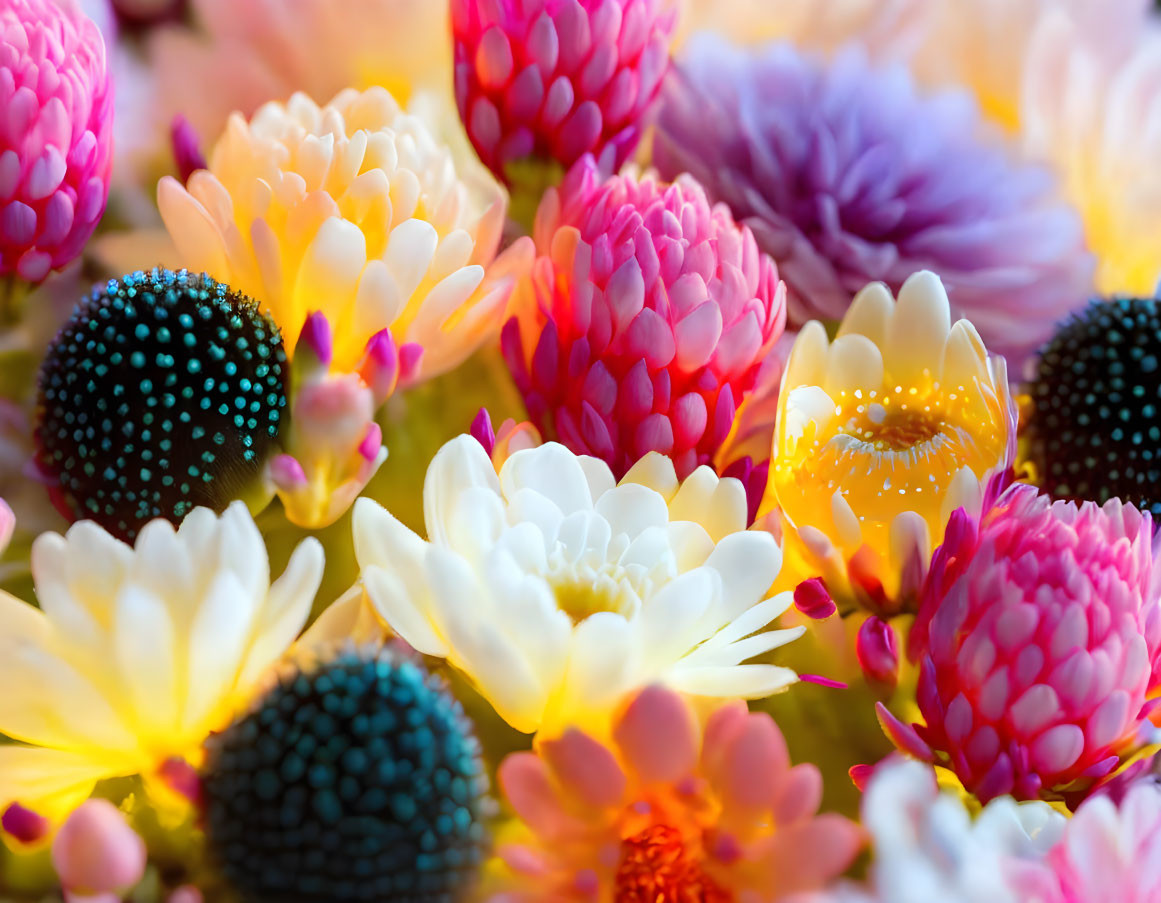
(644, 320)
(1039, 646)
(56, 137)
(558, 79)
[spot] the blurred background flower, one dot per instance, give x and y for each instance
(56, 149)
(847, 173)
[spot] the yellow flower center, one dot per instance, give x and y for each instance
(887, 451)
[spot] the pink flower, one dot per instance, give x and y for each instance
(96, 852)
(1108, 852)
(644, 320)
(56, 145)
(558, 78)
(668, 811)
(1039, 645)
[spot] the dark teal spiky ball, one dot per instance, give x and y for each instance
(1094, 425)
(164, 391)
(356, 780)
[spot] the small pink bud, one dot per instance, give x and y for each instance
(182, 778)
(878, 650)
(410, 354)
(287, 473)
(96, 851)
(316, 338)
(482, 432)
(186, 151)
(380, 366)
(23, 824)
(372, 441)
(812, 598)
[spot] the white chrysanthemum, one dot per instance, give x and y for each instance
(137, 654)
(354, 210)
(927, 847)
(557, 590)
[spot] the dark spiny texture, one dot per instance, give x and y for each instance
(359, 780)
(163, 391)
(1095, 431)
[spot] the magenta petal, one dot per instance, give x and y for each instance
(902, 735)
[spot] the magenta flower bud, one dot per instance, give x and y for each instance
(287, 473)
(380, 365)
(316, 338)
(23, 824)
(877, 648)
(812, 598)
(372, 442)
(645, 320)
(558, 79)
(482, 430)
(410, 356)
(187, 152)
(96, 852)
(56, 146)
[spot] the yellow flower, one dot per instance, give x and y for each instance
(365, 238)
(881, 434)
(137, 654)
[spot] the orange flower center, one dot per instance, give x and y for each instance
(656, 867)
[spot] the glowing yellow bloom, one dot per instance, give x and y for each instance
(365, 238)
(137, 654)
(881, 434)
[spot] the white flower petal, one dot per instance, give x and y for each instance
(748, 563)
(631, 508)
(737, 681)
(405, 615)
(552, 471)
(460, 464)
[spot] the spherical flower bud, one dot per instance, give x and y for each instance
(164, 391)
(1039, 646)
(558, 79)
(56, 147)
(1093, 425)
(877, 648)
(644, 320)
(354, 778)
(96, 852)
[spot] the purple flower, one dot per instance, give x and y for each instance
(847, 174)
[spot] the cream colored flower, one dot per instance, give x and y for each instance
(136, 654)
(881, 434)
(556, 591)
(369, 242)
(1095, 117)
(355, 210)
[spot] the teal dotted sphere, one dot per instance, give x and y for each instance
(164, 391)
(357, 780)
(1094, 429)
